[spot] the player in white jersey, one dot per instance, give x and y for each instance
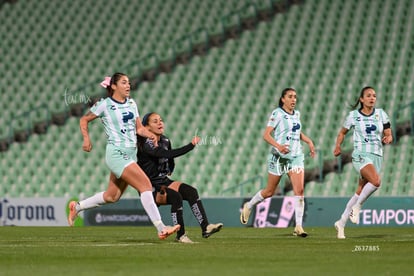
(372, 129)
(120, 117)
(286, 156)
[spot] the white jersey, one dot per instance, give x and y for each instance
(367, 130)
(119, 120)
(286, 131)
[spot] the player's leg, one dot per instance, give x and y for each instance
(136, 177)
(272, 182)
(370, 166)
(351, 202)
(341, 223)
(115, 189)
(373, 182)
(174, 199)
(297, 177)
(190, 194)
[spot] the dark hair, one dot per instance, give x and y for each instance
(146, 118)
(284, 94)
(114, 79)
(141, 140)
(361, 94)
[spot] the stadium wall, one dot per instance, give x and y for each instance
(274, 212)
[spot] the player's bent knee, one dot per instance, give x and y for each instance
(376, 182)
(188, 192)
(174, 197)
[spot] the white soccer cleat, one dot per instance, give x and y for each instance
(211, 229)
(354, 215)
(184, 239)
(299, 232)
(245, 214)
(340, 233)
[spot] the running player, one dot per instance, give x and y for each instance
(371, 128)
(120, 117)
(286, 156)
(158, 164)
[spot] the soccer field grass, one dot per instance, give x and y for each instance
(232, 251)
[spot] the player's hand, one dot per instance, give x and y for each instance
(154, 140)
(284, 149)
(312, 150)
(387, 139)
(195, 140)
(337, 151)
(87, 145)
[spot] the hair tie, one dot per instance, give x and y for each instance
(106, 82)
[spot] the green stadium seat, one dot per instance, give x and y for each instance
(228, 93)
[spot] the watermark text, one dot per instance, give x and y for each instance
(208, 139)
(76, 98)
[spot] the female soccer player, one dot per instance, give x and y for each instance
(158, 164)
(372, 128)
(286, 156)
(120, 117)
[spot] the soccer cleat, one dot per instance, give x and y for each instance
(340, 230)
(73, 214)
(211, 229)
(354, 215)
(184, 239)
(168, 231)
(245, 214)
(299, 232)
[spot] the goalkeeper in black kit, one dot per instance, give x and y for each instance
(158, 164)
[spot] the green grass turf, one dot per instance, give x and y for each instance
(233, 251)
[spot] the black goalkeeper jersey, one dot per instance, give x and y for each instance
(158, 162)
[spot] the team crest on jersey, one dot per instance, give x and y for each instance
(126, 116)
(296, 126)
(377, 117)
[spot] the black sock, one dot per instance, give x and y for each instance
(176, 201)
(190, 194)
